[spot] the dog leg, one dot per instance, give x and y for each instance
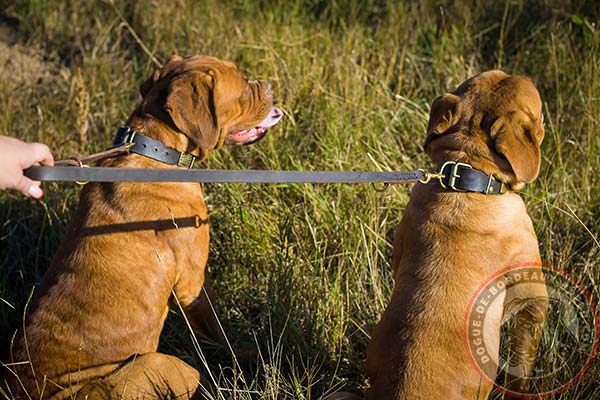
(525, 334)
(147, 376)
(203, 315)
(197, 298)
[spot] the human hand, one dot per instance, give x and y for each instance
(15, 156)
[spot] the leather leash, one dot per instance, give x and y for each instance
(82, 162)
(104, 174)
(452, 176)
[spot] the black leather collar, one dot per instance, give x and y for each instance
(462, 177)
(152, 148)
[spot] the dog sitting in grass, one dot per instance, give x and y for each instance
(93, 328)
(454, 235)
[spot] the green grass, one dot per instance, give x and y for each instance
(303, 271)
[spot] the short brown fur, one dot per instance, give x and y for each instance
(94, 325)
(449, 243)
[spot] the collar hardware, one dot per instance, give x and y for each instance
(186, 160)
(453, 175)
(125, 135)
(492, 189)
(462, 177)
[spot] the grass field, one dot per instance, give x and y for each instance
(303, 272)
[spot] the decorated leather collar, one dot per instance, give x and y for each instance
(141, 144)
(462, 177)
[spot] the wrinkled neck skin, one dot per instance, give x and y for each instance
(473, 151)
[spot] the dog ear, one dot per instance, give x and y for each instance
(445, 112)
(157, 74)
(190, 104)
(149, 83)
(517, 137)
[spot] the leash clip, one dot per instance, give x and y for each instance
(382, 188)
(81, 165)
(429, 176)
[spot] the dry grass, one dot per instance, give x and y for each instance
(303, 271)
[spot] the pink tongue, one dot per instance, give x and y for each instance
(257, 133)
(274, 116)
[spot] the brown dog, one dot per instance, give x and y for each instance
(450, 242)
(94, 325)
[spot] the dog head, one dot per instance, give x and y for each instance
(209, 101)
(494, 122)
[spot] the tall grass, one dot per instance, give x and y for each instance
(303, 271)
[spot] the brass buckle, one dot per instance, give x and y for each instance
(186, 160)
(127, 137)
(453, 174)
